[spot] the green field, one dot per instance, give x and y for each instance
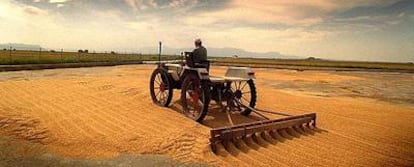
(304, 64)
(45, 57)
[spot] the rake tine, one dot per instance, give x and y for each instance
(261, 141)
(288, 135)
(268, 137)
(237, 144)
(232, 149)
(226, 145)
(277, 135)
(290, 132)
(303, 126)
(293, 132)
(263, 134)
(314, 122)
(308, 130)
(308, 125)
(252, 144)
(270, 133)
(221, 149)
(248, 141)
(214, 147)
(300, 130)
(254, 137)
(241, 145)
(283, 135)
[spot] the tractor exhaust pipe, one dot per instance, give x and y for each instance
(159, 52)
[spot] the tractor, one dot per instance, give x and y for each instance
(233, 92)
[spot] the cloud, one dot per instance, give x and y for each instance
(158, 4)
(23, 22)
(57, 1)
(35, 11)
(132, 3)
(301, 27)
(298, 12)
(285, 12)
(370, 18)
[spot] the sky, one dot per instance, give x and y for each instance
(367, 30)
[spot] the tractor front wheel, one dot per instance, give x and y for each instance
(161, 90)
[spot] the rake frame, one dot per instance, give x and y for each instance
(240, 131)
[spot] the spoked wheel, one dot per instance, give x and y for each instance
(245, 93)
(195, 98)
(160, 88)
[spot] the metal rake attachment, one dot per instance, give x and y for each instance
(234, 133)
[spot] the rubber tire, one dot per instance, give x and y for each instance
(164, 74)
(253, 99)
(206, 91)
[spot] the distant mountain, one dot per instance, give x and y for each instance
(220, 52)
(213, 52)
(20, 46)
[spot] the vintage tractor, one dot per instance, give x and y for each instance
(234, 92)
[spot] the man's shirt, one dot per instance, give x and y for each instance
(200, 54)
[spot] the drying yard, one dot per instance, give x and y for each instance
(364, 118)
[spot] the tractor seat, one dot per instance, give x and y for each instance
(204, 64)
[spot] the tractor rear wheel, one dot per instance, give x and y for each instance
(195, 97)
(245, 93)
(161, 89)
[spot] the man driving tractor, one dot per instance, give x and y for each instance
(200, 52)
(198, 58)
